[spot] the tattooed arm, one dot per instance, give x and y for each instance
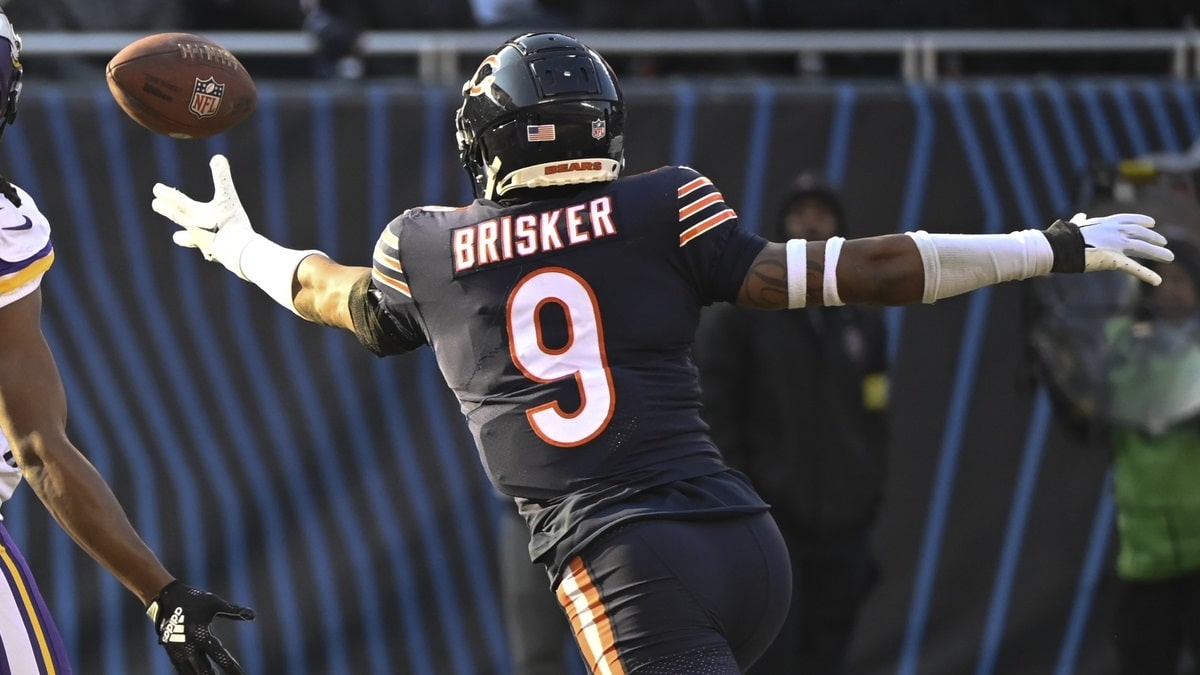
(885, 270)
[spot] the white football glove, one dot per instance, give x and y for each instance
(1112, 243)
(220, 228)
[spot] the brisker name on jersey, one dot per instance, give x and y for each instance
(510, 237)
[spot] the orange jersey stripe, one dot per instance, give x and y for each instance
(694, 185)
(389, 240)
(593, 629)
(705, 225)
(398, 285)
(388, 261)
(699, 205)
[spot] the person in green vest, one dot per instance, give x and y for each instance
(1154, 408)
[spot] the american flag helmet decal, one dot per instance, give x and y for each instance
(539, 132)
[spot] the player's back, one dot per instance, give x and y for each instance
(564, 326)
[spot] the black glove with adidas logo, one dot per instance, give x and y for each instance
(181, 616)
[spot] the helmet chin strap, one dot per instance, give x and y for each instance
(563, 172)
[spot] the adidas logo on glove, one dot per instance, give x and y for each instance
(200, 654)
(173, 630)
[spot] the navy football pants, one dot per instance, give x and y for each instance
(679, 597)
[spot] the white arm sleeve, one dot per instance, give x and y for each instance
(272, 268)
(958, 263)
(797, 273)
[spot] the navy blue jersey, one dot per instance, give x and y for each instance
(564, 327)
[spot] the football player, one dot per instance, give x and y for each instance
(35, 446)
(561, 305)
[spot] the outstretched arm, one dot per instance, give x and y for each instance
(883, 270)
(306, 282)
(322, 291)
(904, 268)
(33, 415)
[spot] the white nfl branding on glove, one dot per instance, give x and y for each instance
(1111, 240)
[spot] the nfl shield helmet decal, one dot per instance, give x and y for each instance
(206, 97)
(598, 129)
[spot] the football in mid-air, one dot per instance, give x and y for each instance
(181, 85)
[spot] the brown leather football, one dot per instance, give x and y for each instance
(181, 85)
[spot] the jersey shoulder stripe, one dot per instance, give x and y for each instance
(386, 268)
(705, 225)
(701, 207)
(395, 284)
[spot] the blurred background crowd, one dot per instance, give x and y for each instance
(658, 14)
(337, 26)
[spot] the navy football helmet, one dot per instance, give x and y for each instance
(10, 72)
(541, 110)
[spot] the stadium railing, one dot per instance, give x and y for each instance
(917, 52)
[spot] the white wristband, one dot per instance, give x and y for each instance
(829, 289)
(797, 273)
(958, 263)
(272, 268)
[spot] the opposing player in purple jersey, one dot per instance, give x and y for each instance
(35, 447)
(561, 306)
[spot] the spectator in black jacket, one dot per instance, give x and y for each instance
(797, 400)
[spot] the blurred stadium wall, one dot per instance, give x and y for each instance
(281, 465)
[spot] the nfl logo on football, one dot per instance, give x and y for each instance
(598, 129)
(206, 98)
